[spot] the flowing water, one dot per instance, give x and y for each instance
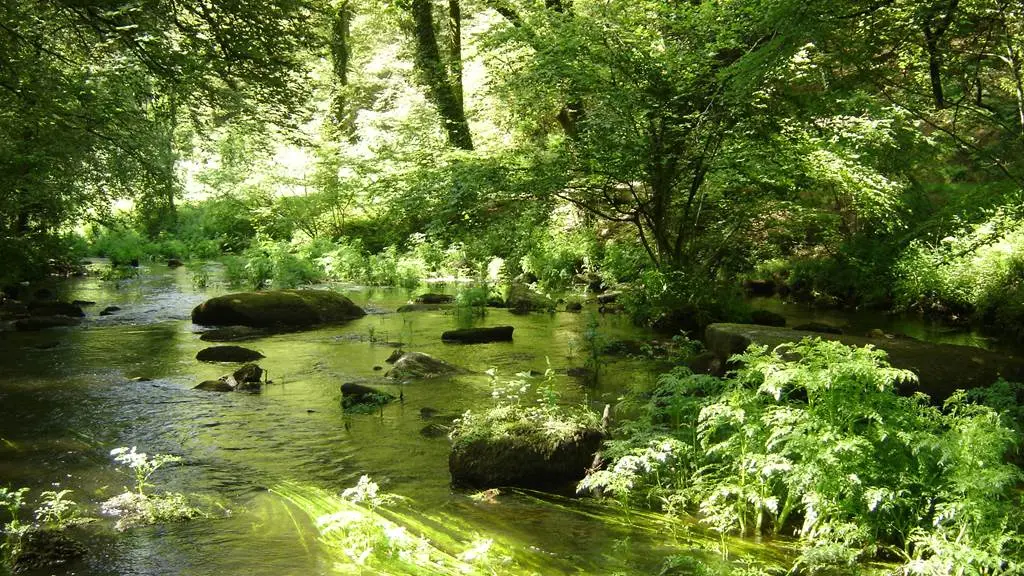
(68, 396)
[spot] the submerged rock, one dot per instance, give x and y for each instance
(940, 368)
(479, 335)
(819, 327)
(55, 309)
(354, 395)
(109, 310)
(431, 298)
(424, 307)
(247, 378)
(767, 318)
(215, 386)
(414, 365)
(40, 550)
(294, 309)
(233, 334)
(395, 356)
(228, 354)
(34, 323)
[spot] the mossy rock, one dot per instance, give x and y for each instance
(227, 354)
(417, 365)
(432, 298)
(521, 299)
(277, 308)
(43, 550)
(355, 395)
(522, 461)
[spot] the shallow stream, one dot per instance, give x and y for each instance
(70, 395)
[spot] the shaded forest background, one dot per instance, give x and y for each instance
(847, 153)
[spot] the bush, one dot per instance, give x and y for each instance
(979, 273)
(821, 447)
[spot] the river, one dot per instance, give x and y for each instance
(70, 395)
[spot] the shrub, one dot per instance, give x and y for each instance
(819, 445)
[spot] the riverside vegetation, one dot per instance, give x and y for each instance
(44, 543)
(673, 157)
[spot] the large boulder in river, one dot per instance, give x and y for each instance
(940, 368)
(432, 298)
(293, 309)
(227, 354)
(524, 460)
(521, 299)
(415, 365)
(479, 335)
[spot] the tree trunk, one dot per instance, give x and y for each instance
(455, 49)
(934, 67)
(434, 76)
(341, 53)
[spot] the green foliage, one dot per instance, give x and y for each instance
(56, 510)
(122, 246)
(818, 444)
(524, 412)
(54, 513)
(975, 273)
(472, 299)
(707, 301)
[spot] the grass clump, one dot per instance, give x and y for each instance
(817, 445)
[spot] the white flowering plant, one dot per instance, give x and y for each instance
(141, 464)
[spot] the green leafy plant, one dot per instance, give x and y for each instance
(199, 276)
(56, 510)
(13, 529)
(811, 439)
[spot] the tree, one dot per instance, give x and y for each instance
(442, 80)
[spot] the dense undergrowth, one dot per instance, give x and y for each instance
(810, 440)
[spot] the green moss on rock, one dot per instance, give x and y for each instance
(277, 308)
